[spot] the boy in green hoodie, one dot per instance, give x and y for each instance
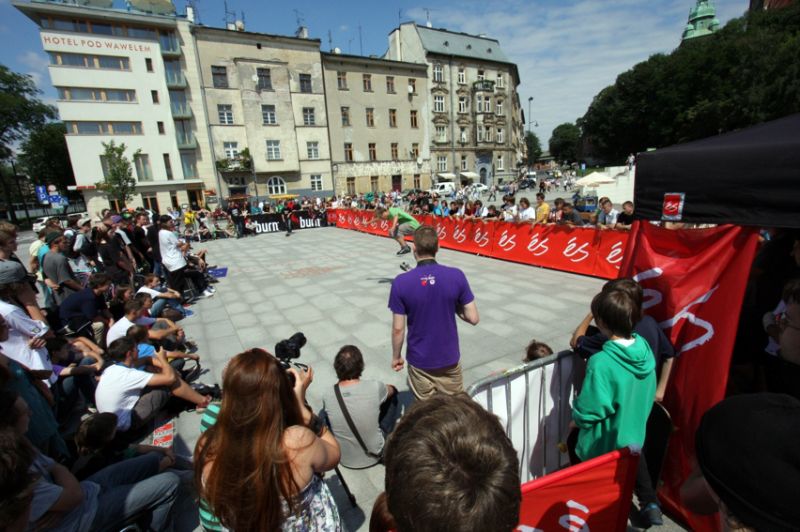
(617, 395)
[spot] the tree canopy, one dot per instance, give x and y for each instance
(746, 73)
(534, 147)
(45, 156)
(118, 181)
(565, 141)
(20, 108)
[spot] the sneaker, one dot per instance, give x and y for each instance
(211, 289)
(187, 313)
(207, 293)
(404, 250)
(652, 514)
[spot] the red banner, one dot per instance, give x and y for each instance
(593, 495)
(587, 251)
(694, 284)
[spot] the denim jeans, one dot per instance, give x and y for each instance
(160, 303)
(132, 490)
(67, 389)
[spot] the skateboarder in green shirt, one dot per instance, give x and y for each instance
(403, 224)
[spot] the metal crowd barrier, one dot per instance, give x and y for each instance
(534, 404)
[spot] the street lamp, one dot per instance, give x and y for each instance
(530, 116)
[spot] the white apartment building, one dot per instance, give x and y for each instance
(130, 78)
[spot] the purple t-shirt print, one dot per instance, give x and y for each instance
(428, 296)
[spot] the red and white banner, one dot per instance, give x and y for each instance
(587, 251)
(694, 283)
(593, 495)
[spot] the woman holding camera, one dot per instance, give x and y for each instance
(258, 468)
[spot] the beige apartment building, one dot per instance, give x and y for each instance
(379, 133)
(268, 123)
(474, 108)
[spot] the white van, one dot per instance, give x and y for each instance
(443, 189)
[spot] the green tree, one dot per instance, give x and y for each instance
(20, 108)
(45, 156)
(534, 147)
(118, 181)
(565, 141)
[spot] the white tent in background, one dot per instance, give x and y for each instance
(594, 179)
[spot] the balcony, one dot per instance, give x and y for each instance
(483, 86)
(186, 141)
(181, 110)
(175, 80)
(242, 163)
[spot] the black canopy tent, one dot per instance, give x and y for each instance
(746, 177)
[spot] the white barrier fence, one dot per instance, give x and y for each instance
(534, 404)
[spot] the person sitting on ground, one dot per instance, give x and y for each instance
(625, 218)
(25, 342)
(163, 298)
(122, 294)
(569, 216)
(359, 398)
(160, 329)
(447, 450)
(403, 225)
(607, 218)
(16, 482)
(107, 500)
(612, 408)
(537, 350)
(137, 397)
(87, 310)
(75, 374)
(174, 261)
(260, 404)
(146, 349)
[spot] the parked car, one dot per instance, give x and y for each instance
(527, 182)
(479, 187)
(444, 188)
(39, 223)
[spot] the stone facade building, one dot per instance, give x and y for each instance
(475, 115)
(378, 131)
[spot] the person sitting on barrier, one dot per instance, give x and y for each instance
(537, 350)
(612, 408)
(350, 407)
(569, 216)
(451, 466)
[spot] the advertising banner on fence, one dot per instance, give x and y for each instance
(693, 282)
(593, 495)
(583, 250)
(273, 223)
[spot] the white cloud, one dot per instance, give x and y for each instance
(567, 52)
(35, 61)
(344, 27)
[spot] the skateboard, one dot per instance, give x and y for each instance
(656, 442)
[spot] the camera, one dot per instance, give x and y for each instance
(286, 350)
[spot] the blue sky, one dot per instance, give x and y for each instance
(566, 50)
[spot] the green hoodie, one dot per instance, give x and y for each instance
(615, 401)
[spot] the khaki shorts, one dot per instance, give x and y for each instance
(404, 229)
(426, 383)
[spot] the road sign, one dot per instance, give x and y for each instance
(41, 194)
(55, 199)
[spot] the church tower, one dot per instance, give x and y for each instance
(702, 21)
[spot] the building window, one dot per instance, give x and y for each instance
(345, 116)
(154, 96)
(348, 151)
(462, 104)
(305, 82)
(104, 166)
(370, 117)
(479, 103)
(441, 163)
(498, 107)
(100, 62)
(501, 80)
(276, 185)
(189, 164)
(373, 183)
(412, 85)
(161, 129)
(219, 77)
(225, 113)
(500, 163)
(231, 149)
(351, 186)
(367, 80)
(142, 163)
(488, 134)
(500, 135)
(79, 94)
(268, 115)
(414, 119)
(167, 166)
(264, 79)
(480, 133)
(481, 75)
(438, 104)
(415, 150)
(308, 116)
(312, 149)
(316, 182)
(462, 76)
(463, 135)
(392, 117)
(487, 104)
(417, 181)
(390, 84)
(441, 134)
(438, 72)
(373, 152)
(395, 151)
(341, 80)
(150, 202)
(463, 163)
(148, 64)
(103, 128)
(273, 150)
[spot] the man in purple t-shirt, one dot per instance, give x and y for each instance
(430, 297)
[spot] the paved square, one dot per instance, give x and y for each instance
(333, 285)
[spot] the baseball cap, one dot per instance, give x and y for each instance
(116, 219)
(11, 272)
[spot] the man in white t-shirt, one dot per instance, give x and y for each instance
(526, 212)
(136, 397)
(134, 316)
(607, 218)
(173, 260)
